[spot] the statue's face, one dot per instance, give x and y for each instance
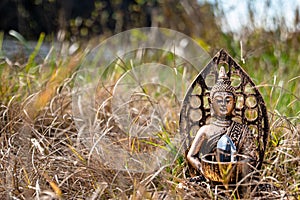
(223, 104)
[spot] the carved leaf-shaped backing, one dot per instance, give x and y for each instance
(250, 107)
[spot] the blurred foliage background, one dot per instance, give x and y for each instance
(202, 18)
(268, 40)
(205, 20)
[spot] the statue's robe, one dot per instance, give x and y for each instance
(239, 134)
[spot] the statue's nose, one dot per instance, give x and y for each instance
(223, 103)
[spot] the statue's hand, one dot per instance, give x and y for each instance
(199, 168)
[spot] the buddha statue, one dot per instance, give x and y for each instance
(223, 138)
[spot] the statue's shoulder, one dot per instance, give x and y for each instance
(205, 126)
(205, 129)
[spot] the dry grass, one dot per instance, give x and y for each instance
(42, 154)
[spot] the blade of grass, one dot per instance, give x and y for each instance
(33, 55)
(19, 37)
(1, 43)
(53, 185)
(76, 153)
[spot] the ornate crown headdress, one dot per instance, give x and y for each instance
(223, 84)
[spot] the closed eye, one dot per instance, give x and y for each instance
(228, 99)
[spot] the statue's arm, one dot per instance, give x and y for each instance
(193, 153)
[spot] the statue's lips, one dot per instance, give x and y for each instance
(223, 110)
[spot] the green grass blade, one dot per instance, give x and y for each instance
(35, 52)
(19, 37)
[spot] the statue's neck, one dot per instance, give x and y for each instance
(222, 121)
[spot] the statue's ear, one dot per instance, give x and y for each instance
(211, 108)
(235, 99)
(209, 100)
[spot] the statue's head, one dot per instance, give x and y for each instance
(222, 96)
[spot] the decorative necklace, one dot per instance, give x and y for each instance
(223, 122)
